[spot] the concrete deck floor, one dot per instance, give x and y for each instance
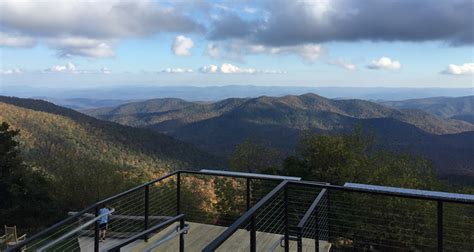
(199, 236)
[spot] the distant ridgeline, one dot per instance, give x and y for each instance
(279, 121)
(83, 154)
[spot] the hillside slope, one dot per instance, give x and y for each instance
(446, 107)
(291, 111)
(279, 121)
(67, 144)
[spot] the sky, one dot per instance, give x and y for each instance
(370, 43)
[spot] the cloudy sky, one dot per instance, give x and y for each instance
(390, 43)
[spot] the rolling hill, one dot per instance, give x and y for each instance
(218, 127)
(77, 150)
(460, 108)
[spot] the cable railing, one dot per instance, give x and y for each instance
(133, 214)
(254, 212)
(314, 224)
(251, 218)
(144, 234)
(74, 231)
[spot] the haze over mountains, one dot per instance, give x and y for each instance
(279, 121)
(96, 97)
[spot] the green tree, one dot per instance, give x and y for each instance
(23, 190)
(357, 217)
(331, 158)
(253, 156)
(353, 158)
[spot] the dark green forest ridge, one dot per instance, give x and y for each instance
(76, 150)
(460, 108)
(279, 121)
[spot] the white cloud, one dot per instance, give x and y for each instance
(86, 28)
(464, 69)
(385, 63)
(70, 68)
(308, 52)
(10, 71)
(177, 70)
(227, 68)
(15, 40)
(290, 22)
(344, 64)
(80, 46)
(236, 49)
(182, 45)
(209, 69)
(108, 19)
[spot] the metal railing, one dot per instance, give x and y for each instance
(273, 207)
(147, 232)
(136, 210)
(250, 218)
(314, 224)
(72, 232)
(133, 209)
(367, 219)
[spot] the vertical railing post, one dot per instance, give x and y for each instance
(328, 212)
(287, 221)
(248, 194)
(181, 235)
(440, 226)
(96, 231)
(300, 240)
(178, 193)
(253, 235)
(147, 208)
(316, 232)
(253, 232)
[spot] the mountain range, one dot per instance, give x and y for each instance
(217, 127)
(90, 96)
(50, 133)
(460, 108)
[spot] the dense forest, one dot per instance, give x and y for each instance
(63, 160)
(218, 127)
(445, 107)
(84, 159)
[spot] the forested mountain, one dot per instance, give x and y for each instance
(80, 152)
(279, 121)
(460, 108)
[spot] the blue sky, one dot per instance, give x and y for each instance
(291, 43)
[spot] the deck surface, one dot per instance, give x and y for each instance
(200, 235)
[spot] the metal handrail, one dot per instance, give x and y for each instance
(311, 209)
(73, 231)
(440, 199)
(219, 173)
(247, 175)
(80, 213)
(168, 237)
(145, 233)
(243, 219)
(386, 193)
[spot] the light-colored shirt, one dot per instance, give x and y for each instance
(104, 213)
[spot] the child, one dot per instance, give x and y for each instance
(104, 212)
